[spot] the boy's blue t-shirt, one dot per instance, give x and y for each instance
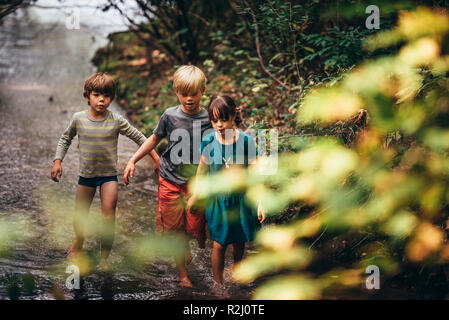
(184, 133)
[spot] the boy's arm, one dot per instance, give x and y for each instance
(131, 132)
(144, 149)
(138, 137)
(63, 145)
(56, 171)
(156, 159)
(65, 141)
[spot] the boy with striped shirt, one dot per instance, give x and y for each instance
(97, 129)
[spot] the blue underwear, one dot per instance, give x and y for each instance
(95, 182)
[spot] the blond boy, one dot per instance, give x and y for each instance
(184, 126)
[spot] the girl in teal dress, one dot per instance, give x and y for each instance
(230, 219)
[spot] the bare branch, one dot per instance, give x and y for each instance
(153, 32)
(6, 9)
(259, 54)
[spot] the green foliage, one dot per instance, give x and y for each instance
(381, 200)
(298, 49)
(337, 49)
(298, 46)
(179, 28)
(359, 195)
(18, 284)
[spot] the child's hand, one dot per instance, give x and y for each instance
(56, 171)
(157, 164)
(190, 203)
(129, 171)
(261, 213)
(156, 161)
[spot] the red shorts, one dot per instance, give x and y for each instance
(172, 215)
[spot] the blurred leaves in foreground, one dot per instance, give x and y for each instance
(381, 201)
(12, 230)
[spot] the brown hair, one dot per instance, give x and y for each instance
(223, 107)
(100, 82)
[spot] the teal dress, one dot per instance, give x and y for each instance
(230, 218)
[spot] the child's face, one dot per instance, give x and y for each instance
(190, 101)
(221, 125)
(98, 101)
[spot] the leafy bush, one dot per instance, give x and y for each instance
(373, 203)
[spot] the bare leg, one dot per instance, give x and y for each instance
(84, 197)
(202, 240)
(108, 195)
(238, 251)
(189, 256)
(218, 257)
(181, 266)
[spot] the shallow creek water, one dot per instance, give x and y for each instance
(43, 66)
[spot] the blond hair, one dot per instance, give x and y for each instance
(189, 79)
(100, 82)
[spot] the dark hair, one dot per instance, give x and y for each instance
(223, 107)
(100, 82)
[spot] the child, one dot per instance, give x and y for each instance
(183, 125)
(230, 219)
(97, 129)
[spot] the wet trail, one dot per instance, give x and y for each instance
(43, 66)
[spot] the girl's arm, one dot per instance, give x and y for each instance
(144, 149)
(261, 214)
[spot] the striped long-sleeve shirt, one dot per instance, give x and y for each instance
(97, 142)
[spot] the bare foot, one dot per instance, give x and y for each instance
(219, 290)
(104, 266)
(185, 282)
(73, 251)
(79, 259)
